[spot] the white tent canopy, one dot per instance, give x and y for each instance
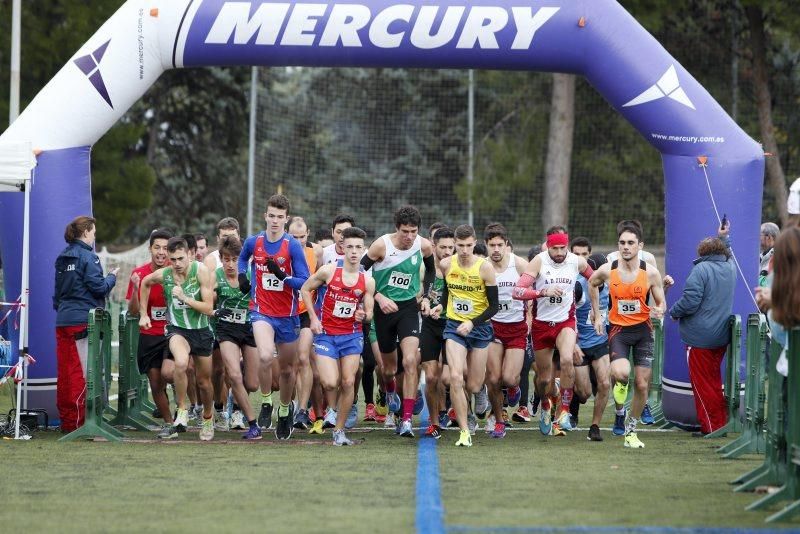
(16, 163)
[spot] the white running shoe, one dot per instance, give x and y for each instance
(330, 419)
(181, 420)
(389, 423)
(490, 421)
(221, 422)
(339, 439)
(472, 423)
(482, 400)
(237, 421)
(207, 429)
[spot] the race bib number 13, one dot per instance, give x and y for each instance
(344, 310)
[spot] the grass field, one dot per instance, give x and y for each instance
(525, 481)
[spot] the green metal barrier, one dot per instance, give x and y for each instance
(732, 384)
(753, 439)
(772, 471)
(655, 394)
(130, 406)
(790, 490)
(99, 340)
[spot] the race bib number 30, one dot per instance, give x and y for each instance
(159, 314)
(400, 280)
(344, 310)
(462, 306)
(270, 282)
(629, 307)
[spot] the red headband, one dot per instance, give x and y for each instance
(557, 240)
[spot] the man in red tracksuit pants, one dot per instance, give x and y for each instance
(80, 287)
(704, 312)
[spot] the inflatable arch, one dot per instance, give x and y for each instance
(595, 38)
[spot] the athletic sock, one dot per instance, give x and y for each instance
(391, 386)
(621, 411)
(620, 392)
(252, 423)
(218, 406)
(283, 410)
(408, 409)
(631, 426)
(566, 398)
(266, 398)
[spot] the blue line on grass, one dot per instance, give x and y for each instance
(430, 512)
(620, 529)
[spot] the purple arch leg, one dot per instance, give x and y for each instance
(61, 191)
(736, 187)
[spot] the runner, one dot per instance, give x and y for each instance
(507, 350)
(235, 334)
(555, 272)
(338, 339)
(153, 346)
(305, 375)
(591, 352)
(278, 269)
(395, 261)
(188, 288)
(631, 281)
(431, 339)
(201, 250)
(470, 293)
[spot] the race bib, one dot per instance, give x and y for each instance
(400, 280)
(270, 282)
(462, 306)
(629, 307)
(179, 304)
(158, 314)
(344, 310)
(505, 305)
(239, 316)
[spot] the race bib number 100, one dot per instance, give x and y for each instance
(400, 280)
(270, 282)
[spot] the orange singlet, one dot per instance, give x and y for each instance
(311, 259)
(628, 301)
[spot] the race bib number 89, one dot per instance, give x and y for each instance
(400, 280)
(629, 307)
(270, 282)
(344, 310)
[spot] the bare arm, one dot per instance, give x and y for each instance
(657, 290)
(144, 296)
(314, 282)
(369, 300)
(596, 281)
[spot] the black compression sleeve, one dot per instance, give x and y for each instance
(443, 298)
(430, 271)
(494, 305)
(367, 262)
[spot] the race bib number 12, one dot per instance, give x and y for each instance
(270, 282)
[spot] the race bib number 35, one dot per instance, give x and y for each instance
(629, 307)
(462, 306)
(270, 282)
(400, 280)
(344, 310)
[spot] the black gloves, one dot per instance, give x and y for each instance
(244, 283)
(275, 269)
(223, 313)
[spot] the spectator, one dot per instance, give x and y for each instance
(704, 311)
(769, 233)
(785, 295)
(79, 288)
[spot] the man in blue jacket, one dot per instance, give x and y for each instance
(704, 311)
(80, 287)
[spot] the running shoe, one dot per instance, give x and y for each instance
(389, 422)
(514, 393)
(419, 403)
(632, 441)
(545, 419)
(340, 440)
(284, 428)
(451, 415)
(433, 431)
(444, 420)
(406, 429)
(265, 417)
(370, 413)
(330, 419)
(207, 429)
(253, 433)
(535, 404)
(499, 431)
(312, 415)
(506, 420)
(472, 423)
(181, 420)
(301, 420)
(464, 439)
(398, 424)
(573, 420)
(556, 430)
(317, 427)
(191, 417)
(482, 401)
(393, 402)
(563, 420)
(352, 417)
(594, 433)
(619, 425)
(380, 406)
(237, 420)
(380, 419)
(522, 415)
(167, 432)
(491, 421)
(647, 416)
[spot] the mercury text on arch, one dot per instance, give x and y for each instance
(348, 25)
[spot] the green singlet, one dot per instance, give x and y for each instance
(232, 299)
(397, 274)
(181, 314)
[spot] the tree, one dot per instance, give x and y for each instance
(558, 165)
